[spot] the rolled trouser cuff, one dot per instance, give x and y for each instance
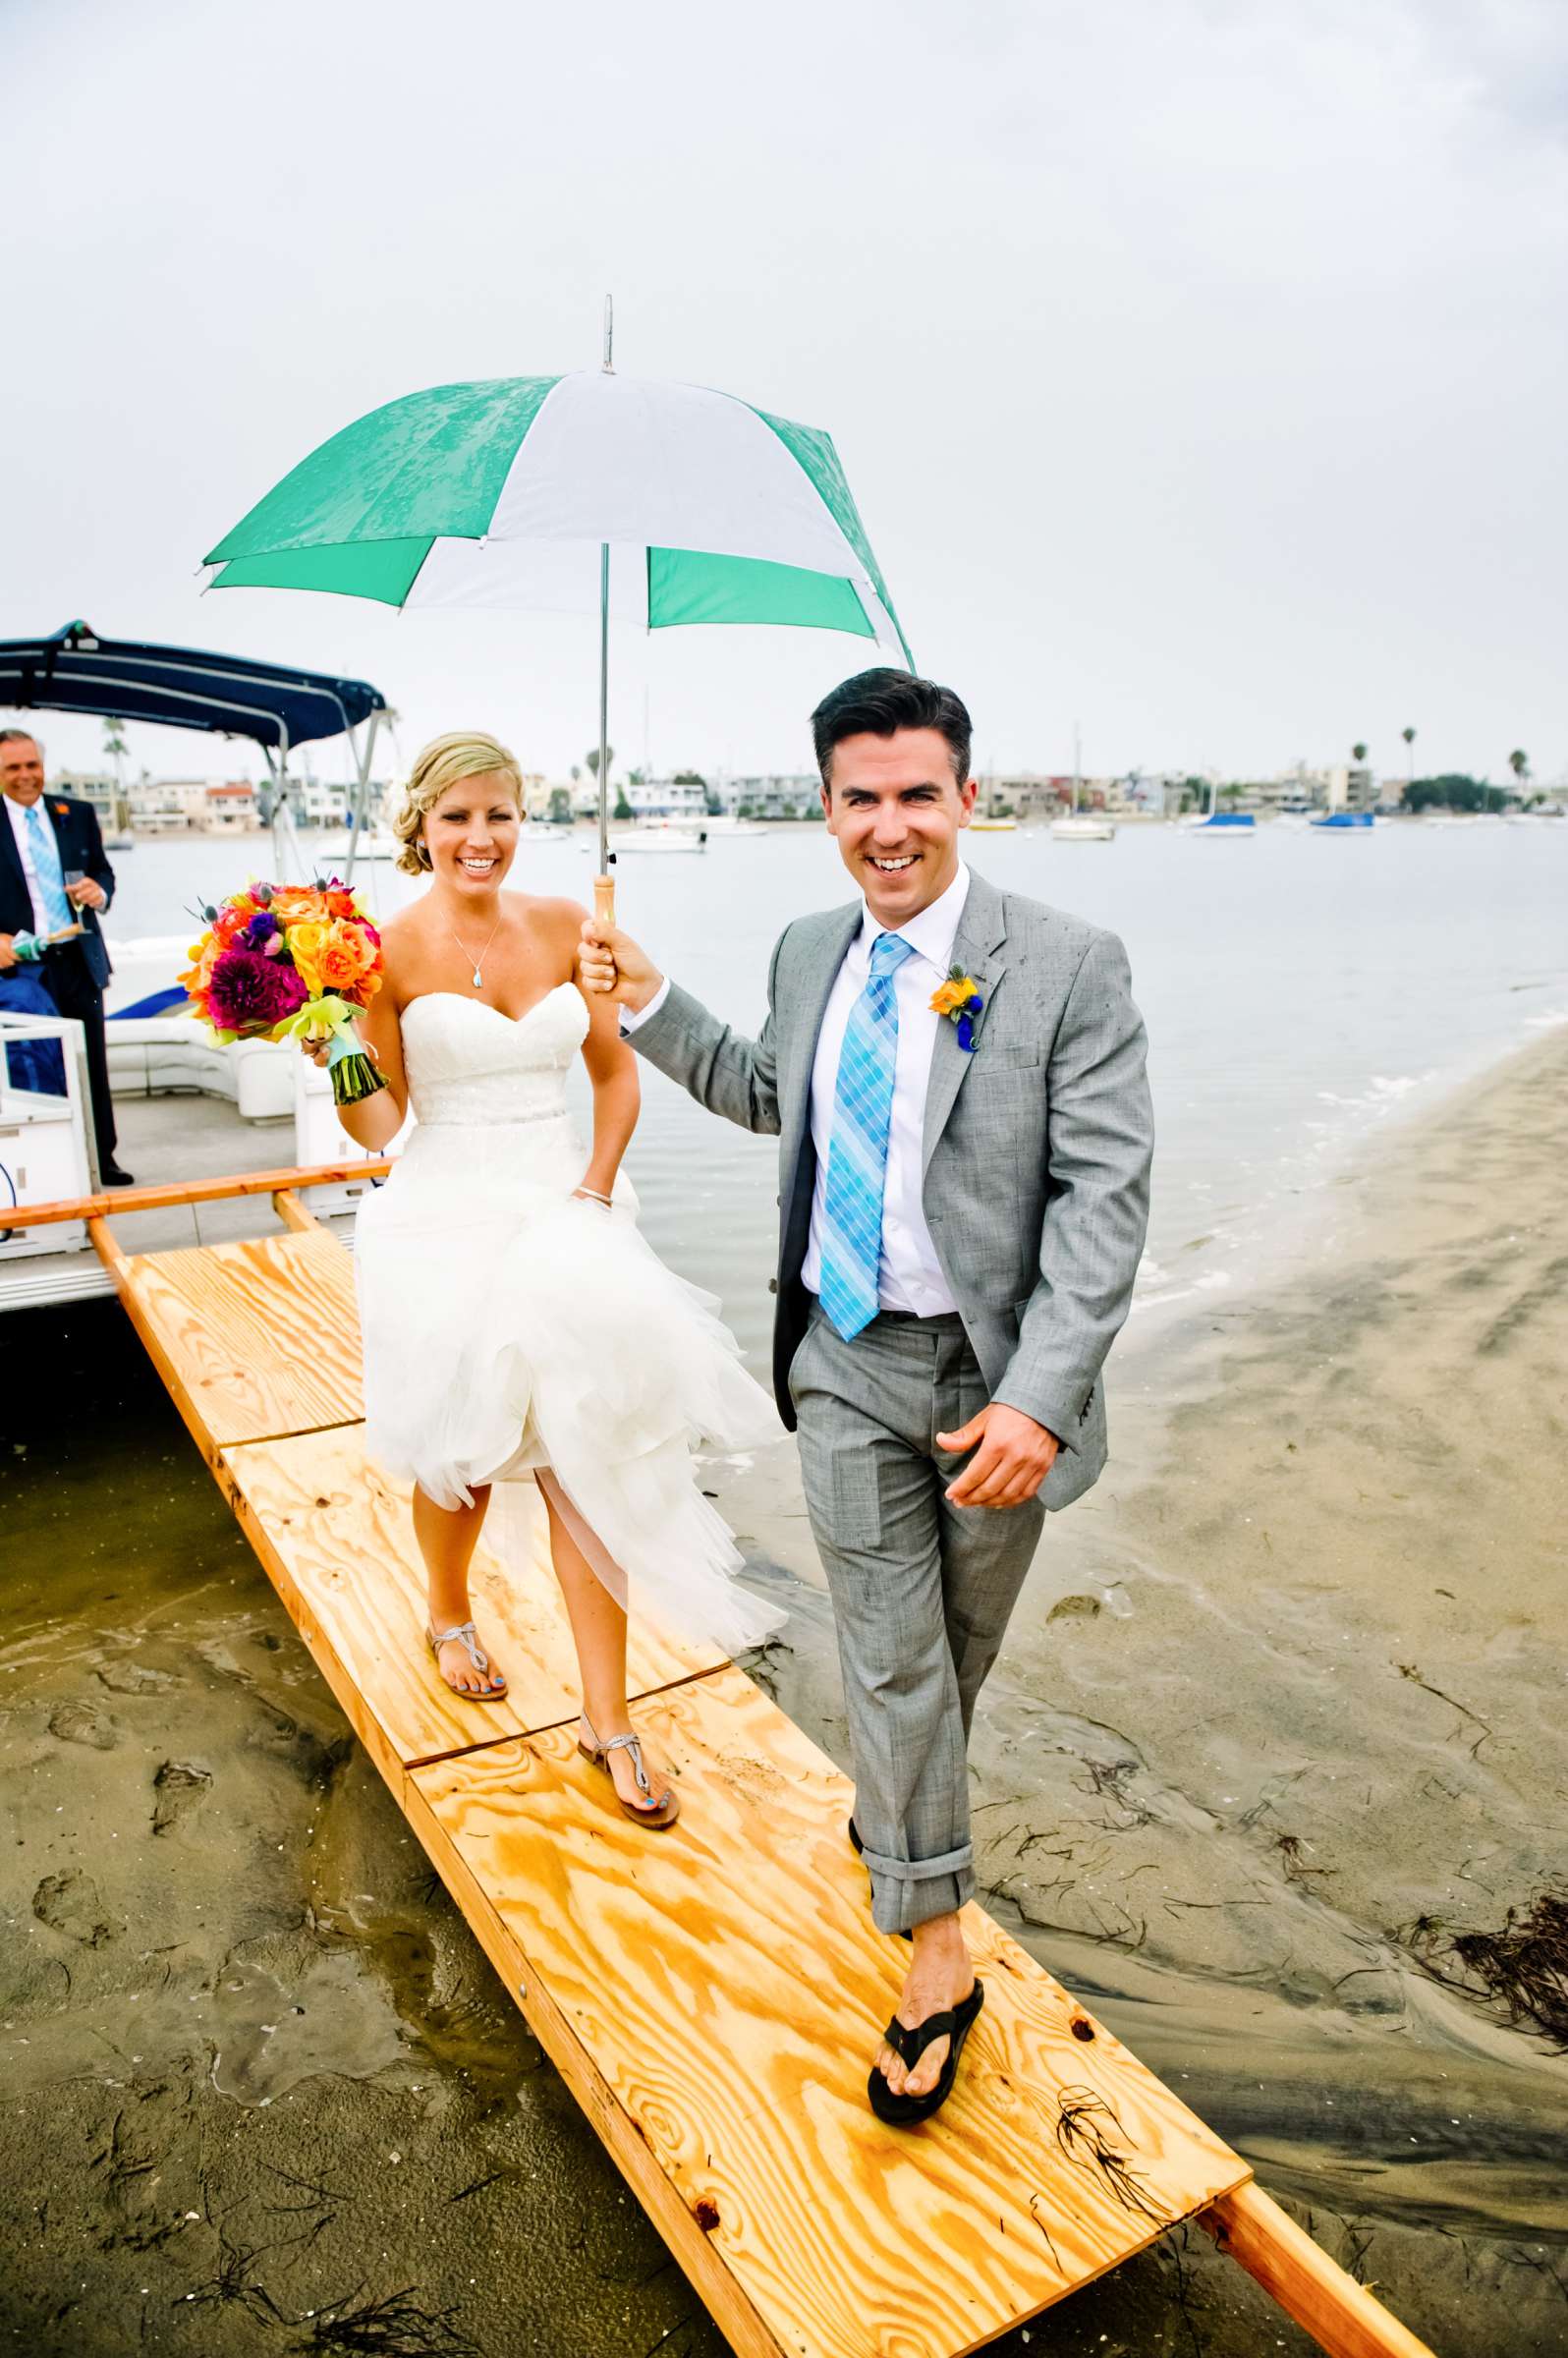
(905, 1893)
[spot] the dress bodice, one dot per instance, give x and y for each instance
(468, 1063)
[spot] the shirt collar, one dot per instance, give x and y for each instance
(932, 934)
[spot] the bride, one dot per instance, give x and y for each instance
(514, 1320)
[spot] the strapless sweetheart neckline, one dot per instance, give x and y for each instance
(485, 1005)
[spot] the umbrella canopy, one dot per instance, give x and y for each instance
(507, 492)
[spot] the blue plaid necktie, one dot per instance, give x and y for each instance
(856, 1150)
(57, 909)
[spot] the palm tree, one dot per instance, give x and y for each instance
(1409, 735)
(592, 758)
(1518, 764)
(115, 746)
(1358, 754)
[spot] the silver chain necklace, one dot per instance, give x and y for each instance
(478, 978)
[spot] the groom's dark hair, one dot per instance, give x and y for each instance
(874, 703)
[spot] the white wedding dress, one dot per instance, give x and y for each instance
(510, 1331)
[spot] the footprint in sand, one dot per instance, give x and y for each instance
(1075, 1608)
(135, 1679)
(84, 1723)
(72, 1904)
(180, 1786)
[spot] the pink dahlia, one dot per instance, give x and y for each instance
(250, 992)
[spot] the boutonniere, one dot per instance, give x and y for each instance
(62, 809)
(959, 999)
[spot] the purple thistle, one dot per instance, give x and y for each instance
(250, 992)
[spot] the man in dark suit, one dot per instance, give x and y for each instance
(43, 838)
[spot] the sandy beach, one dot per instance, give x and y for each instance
(1273, 1772)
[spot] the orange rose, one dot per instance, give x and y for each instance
(298, 904)
(951, 996)
(343, 959)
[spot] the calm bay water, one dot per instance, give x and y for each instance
(1299, 989)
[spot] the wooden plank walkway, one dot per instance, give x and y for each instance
(711, 1995)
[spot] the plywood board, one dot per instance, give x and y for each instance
(259, 1337)
(714, 1995)
(337, 1537)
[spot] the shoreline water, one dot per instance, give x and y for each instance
(1287, 1684)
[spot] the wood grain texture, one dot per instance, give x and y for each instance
(724, 1985)
(122, 1199)
(262, 1336)
(1342, 2317)
(337, 1537)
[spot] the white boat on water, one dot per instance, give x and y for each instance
(375, 843)
(656, 839)
(994, 826)
(724, 827)
(1082, 827)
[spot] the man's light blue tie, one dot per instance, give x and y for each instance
(57, 909)
(857, 1148)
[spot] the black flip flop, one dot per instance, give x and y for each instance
(859, 1848)
(955, 2023)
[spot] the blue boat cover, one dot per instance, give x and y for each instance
(180, 687)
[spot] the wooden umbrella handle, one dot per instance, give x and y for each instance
(605, 900)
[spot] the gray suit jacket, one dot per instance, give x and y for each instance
(1038, 1147)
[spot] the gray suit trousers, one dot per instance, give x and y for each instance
(922, 1590)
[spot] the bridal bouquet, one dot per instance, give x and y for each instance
(291, 961)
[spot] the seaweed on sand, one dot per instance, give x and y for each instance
(393, 2327)
(1525, 1964)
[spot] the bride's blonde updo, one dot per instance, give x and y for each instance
(459, 754)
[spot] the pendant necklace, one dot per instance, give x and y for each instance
(478, 978)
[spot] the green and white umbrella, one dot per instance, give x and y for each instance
(669, 503)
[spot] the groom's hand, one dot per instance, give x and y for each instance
(612, 963)
(1012, 1457)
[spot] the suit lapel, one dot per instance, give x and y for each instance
(977, 951)
(838, 931)
(10, 856)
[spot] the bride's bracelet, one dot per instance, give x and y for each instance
(594, 1197)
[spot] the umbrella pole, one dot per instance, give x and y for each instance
(604, 883)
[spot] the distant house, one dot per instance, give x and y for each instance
(776, 795)
(230, 808)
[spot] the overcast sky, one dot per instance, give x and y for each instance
(1198, 368)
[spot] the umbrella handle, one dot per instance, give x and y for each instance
(605, 900)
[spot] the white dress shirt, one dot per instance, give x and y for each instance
(29, 870)
(908, 1275)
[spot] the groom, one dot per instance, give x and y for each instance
(963, 1205)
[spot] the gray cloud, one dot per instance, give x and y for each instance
(1199, 368)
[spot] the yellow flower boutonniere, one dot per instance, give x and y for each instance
(959, 999)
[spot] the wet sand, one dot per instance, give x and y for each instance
(1281, 1718)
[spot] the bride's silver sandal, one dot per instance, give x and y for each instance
(467, 1637)
(650, 1811)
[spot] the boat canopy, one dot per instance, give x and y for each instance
(74, 670)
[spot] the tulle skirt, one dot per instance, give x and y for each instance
(510, 1330)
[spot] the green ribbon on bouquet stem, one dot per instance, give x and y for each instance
(353, 1075)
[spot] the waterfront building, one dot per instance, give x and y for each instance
(101, 789)
(228, 808)
(777, 794)
(1352, 789)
